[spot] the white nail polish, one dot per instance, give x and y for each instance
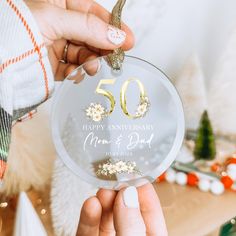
(98, 66)
(130, 197)
(115, 35)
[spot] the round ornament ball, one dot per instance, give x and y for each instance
(231, 160)
(217, 187)
(227, 181)
(231, 167)
(232, 174)
(192, 179)
(215, 167)
(181, 178)
(161, 178)
(234, 187)
(204, 185)
(170, 176)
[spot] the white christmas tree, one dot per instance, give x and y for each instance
(222, 93)
(65, 215)
(27, 222)
(191, 87)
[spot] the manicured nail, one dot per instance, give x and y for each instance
(130, 197)
(115, 35)
(98, 66)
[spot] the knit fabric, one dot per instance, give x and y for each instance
(26, 78)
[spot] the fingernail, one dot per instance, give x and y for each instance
(130, 197)
(98, 66)
(115, 35)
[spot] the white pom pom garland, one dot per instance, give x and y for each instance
(170, 176)
(204, 185)
(231, 167)
(225, 178)
(217, 187)
(181, 178)
(232, 174)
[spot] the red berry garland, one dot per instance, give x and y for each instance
(216, 185)
(215, 167)
(192, 179)
(227, 182)
(161, 177)
(231, 160)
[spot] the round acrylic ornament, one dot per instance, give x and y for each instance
(116, 128)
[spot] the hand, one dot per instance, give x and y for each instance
(128, 212)
(82, 22)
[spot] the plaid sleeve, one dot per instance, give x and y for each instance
(6, 112)
(5, 134)
(26, 77)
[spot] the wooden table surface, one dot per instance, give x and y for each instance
(189, 212)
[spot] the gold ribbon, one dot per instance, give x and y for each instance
(117, 57)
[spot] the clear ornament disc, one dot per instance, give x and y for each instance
(116, 128)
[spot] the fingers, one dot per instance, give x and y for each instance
(133, 211)
(90, 218)
(68, 69)
(107, 198)
(90, 6)
(102, 13)
(151, 211)
(78, 55)
(86, 28)
(128, 220)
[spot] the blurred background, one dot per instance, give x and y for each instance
(168, 32)
(194, 43)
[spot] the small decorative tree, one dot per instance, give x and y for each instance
(205, 148)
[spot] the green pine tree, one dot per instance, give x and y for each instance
(205, 148)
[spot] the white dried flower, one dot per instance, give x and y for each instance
(89, 111)
(117, 167)
(143, 107)
(133, 163)
(112, 169)
(146, 99)
(106, 166)
(99, 108)
(97, 117)
(95, 112)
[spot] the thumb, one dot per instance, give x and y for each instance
(128, 220)
(57, 23)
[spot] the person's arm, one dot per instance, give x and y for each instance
(26, 78)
